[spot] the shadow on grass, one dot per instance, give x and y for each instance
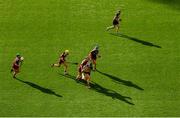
(73, 63)
(42, 89)
(121, 81)
(96, 87)
(136, 40)
(172, 3)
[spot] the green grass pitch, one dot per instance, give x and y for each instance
(138, 73)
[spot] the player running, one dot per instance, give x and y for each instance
(93, 55)
(16, 65)
(83, 63)
(62, 60)
(116, 22)
(86, 72)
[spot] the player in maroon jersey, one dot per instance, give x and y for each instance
(116, 22)
(62, 61)
(93, 55)
(80, 67)
(86, 72)
(16, 65)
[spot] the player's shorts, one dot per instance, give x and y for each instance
(15, 68)
(85, 77)
(61, 61)
(93, 57)
(80, 69)
(115, 22)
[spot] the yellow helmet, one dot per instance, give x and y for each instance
(66, 51)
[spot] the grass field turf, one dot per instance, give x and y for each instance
(132, 65)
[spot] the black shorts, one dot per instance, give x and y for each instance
(115, 22)
(93, 57)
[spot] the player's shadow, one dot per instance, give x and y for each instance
(40, 88)
(172, 3)
(98, 88)
(73, 63)
(121, 81)
(136, 40)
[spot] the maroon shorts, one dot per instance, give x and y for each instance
(61, 61)
(80, 69)
(15, 67)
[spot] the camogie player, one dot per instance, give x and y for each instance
(116, 22)
(16, 65)
(80, 67)
(86, 72)
(62, 60)
(93, 55)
